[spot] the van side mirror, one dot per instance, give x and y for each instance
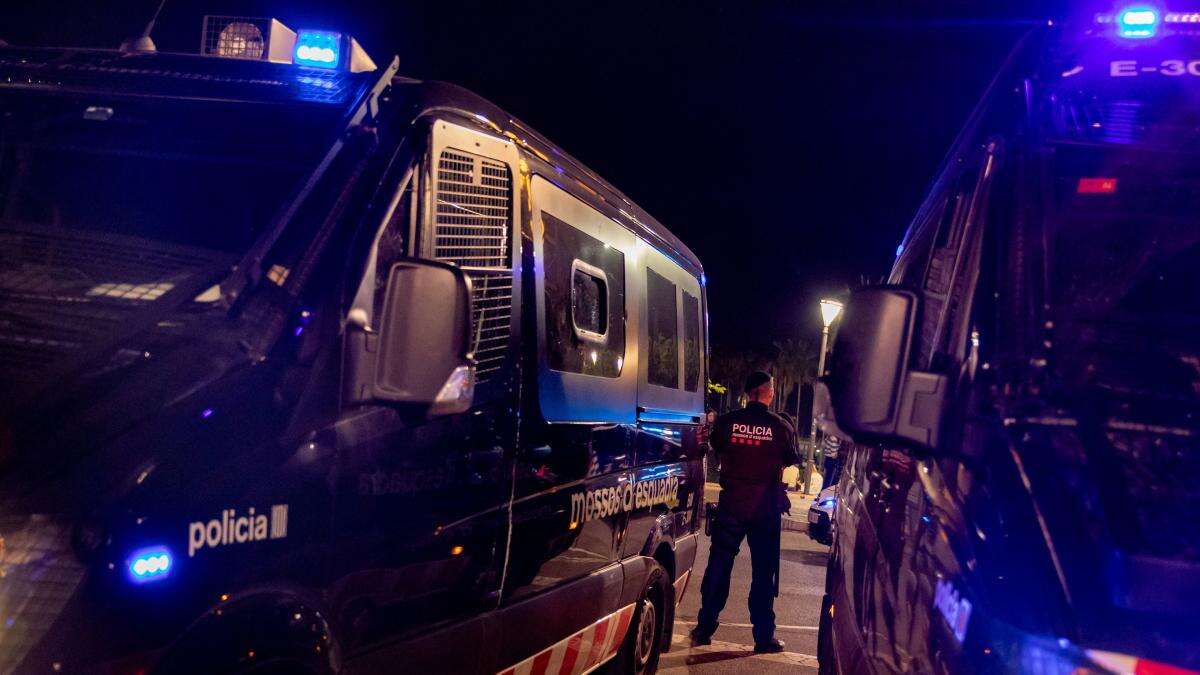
(423, 355)
(873, 393)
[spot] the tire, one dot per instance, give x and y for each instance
(642, 648)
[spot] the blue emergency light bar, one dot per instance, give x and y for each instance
(1138, 22)
(149, 564)
(318, 49)
(267, 39)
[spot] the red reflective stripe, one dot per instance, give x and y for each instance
(540, 662)
(681, 585)
(1145, 667)
(622, 626)
(572, 655)
(597, 644)
(589, 643)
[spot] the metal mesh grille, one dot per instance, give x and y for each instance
(173, 75)
(473, 229)
(1153, 492)
(40, 575)
(1164, 124)
(236, 37)
(60, 294)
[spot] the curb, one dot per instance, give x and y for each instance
(792, 525)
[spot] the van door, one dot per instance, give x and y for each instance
(893, 575)
(422, 512)
(670, 403)
(572, 466)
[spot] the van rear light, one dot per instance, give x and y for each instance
(1097, 186)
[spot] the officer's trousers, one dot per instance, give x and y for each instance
(727, 533)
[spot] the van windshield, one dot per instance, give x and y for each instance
(104, 211)
(133, 177)
(1123, 248)
(1125, 260)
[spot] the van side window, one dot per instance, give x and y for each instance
(589, 302)
(913, 260)
(949, 272)
(691, 342)
(663, 319)
(391, 245)
(585, 301)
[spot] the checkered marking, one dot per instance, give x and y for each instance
(581, 652)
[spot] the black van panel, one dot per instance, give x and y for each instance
(462, 543)
(534, 624)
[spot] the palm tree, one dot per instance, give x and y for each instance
(795, 364)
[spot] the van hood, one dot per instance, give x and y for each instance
(89, 472)
(79, 442)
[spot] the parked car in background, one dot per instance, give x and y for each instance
(820, 516)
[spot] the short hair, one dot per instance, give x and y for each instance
(755, 380)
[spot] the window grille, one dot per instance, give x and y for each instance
(473, 229)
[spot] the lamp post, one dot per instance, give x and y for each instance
(830, 309)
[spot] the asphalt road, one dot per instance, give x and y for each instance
(802, 582)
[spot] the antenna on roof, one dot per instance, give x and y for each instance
(143, 43)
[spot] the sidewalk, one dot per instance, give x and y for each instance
(796, 521)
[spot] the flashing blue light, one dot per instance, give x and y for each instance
(661, 431)
(1138, 22)
(899, 250)
(149, 564)
(666, 416)
(828, 503)
(318, 48)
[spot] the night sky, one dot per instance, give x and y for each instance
(786, 143)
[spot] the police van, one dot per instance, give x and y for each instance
(306, 366)
(1024, 393)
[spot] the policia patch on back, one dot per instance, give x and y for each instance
(746, 434)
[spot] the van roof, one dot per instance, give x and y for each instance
(205, 78)
(434, 96)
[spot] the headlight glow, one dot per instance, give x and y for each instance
(149, 564)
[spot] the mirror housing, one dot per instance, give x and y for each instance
(422, 350)
(873, 393)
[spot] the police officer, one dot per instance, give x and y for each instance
(754, 446)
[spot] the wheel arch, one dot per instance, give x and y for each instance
(256, 629)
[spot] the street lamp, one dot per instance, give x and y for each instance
(830, 309)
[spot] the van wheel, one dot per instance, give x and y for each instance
(642, 647)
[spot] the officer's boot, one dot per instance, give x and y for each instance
(701, 636)
(772, 646)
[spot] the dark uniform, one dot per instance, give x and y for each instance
(754, 445)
